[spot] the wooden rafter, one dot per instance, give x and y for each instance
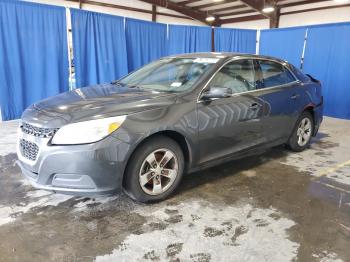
(242, 19)
(195, 14)
(257, 5)
(315, 9)
(245, 11)
(301, 3)
(220, 9)
(183, 3)
(122, 7)
(215, 4)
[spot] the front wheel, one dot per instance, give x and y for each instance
(154, 170)
(302, 133)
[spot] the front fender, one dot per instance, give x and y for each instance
(137, 128)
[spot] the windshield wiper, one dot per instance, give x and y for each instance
(120, 84)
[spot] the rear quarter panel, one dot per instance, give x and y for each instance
(310, 96)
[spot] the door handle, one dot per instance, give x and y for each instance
(254, 106)
(294, 96)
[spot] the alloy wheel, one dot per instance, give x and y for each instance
(304, 131)
(158, 171)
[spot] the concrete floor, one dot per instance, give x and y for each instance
(279, 206)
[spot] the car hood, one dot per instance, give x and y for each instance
(94, 102)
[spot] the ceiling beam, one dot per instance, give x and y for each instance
(315, 9)
(243, 12)
(242, 19)
(257, 5)
(301, 3)
(217, 9)
(183, 3)
(257, 17)
(122, 7)
(197, 15)
(192, 13)
(214, 4)
(220, 9)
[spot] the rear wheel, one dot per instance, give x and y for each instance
(302, 133)
(154, 170)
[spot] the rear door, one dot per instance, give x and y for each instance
(279, 88)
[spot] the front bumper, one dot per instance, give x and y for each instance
(88, 169)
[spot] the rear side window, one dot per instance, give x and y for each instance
(274, 74)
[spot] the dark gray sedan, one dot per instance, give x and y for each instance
(174, 116)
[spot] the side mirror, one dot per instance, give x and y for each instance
(216, 92)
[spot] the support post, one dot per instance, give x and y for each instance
(154, 13)
(212, 39)
(275, 18)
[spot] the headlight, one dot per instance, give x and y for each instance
(87, 131)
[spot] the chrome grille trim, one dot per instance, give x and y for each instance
(29, 149)
(38, 131)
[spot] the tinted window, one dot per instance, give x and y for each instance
(299, 74)
(274, 74)
(239, 76)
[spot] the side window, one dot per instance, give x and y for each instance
(274, 74)
(239, 76)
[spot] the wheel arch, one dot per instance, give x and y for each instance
(310, 108)
(178, 137)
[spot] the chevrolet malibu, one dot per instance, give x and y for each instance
(173, 116)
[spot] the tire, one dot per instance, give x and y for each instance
(302, 133)
(154, 170)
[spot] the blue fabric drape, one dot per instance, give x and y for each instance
(286, 43)
(327, 58)
(235, 40)
(189, 39)
(146, 41)
(33, 55)
(99, 47)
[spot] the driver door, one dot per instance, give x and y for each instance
(232, 124)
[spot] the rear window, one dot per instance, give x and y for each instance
(300, 75)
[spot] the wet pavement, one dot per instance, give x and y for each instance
(278, 206)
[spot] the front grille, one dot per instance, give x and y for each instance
(29, 149)
(38, 131)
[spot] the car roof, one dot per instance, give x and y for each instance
(223, 55)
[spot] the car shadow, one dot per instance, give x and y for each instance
(231, 168)
(234, 167)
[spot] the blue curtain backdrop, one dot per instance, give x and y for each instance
(99, 47)
(189, 39)
(286, 43)
(235, 40)
(146, 41)
(327, 58)
(33, 55)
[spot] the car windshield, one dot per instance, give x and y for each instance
(169, 74)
